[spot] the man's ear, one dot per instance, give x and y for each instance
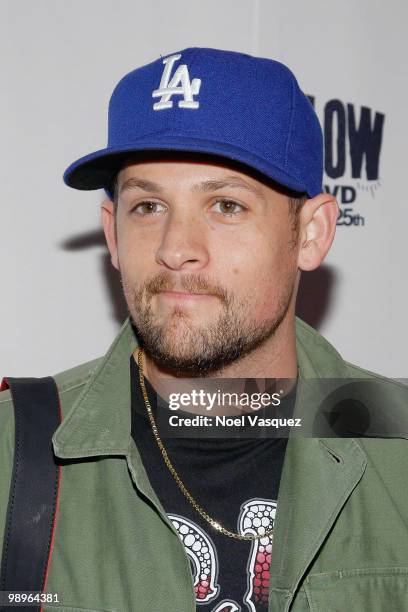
(318, 218)
(109, 227)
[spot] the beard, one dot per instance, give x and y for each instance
(186, 348)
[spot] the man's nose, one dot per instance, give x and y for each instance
(184, 242)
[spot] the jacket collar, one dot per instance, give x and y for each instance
(99, 421)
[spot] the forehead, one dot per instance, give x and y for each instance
(195, 171)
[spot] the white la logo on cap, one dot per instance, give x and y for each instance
(180, 84)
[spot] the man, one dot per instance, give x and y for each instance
(215, 205)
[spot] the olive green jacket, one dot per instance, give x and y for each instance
(341, 530)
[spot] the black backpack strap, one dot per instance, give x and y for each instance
(31, 512)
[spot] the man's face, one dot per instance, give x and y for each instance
(207, 261)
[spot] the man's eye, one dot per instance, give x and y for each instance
(229, 207)
(146, 208)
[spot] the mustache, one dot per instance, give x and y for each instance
(192, 283)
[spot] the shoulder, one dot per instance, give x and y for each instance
(308, 336)
(326, 361)
(76, 376)
(69, 383)
(392, 383)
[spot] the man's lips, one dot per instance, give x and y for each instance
(185, 295)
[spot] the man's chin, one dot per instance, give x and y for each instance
(177, 352)
(186, 362)
(173, 345)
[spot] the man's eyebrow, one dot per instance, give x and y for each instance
(136, 183)
(229, 181)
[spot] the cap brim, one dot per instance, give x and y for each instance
(97, 170)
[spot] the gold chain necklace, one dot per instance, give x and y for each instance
(214, 524)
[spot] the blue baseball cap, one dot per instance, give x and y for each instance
(222, 103)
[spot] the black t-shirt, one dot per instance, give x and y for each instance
(236, 481)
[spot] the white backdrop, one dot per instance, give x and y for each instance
(59, 62)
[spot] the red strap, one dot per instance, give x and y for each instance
(4, 385)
